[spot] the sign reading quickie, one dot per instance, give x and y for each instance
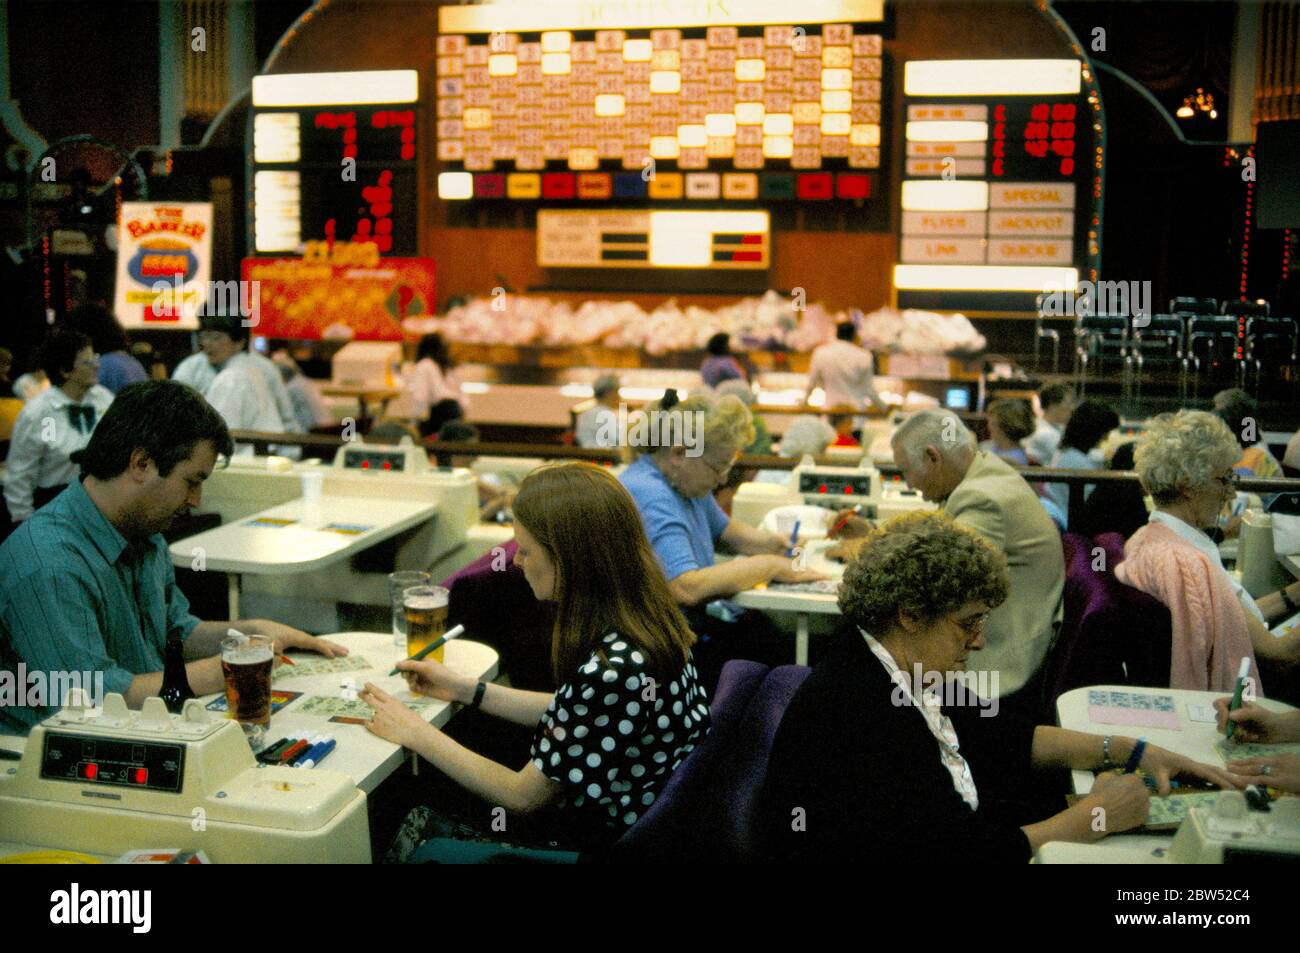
(341, 292)
(164, 261)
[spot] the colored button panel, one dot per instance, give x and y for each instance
(594, 185)
(849, 185)
(666, 185)
(558, 185)
(629, 185)
(739, 185)
(777, 185)
(523, 185)
(815, 185)
(489, 185)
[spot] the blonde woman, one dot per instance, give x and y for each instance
(1185, 461)
(629, 708)
(688, 451)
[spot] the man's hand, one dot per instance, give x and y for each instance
(287, 637)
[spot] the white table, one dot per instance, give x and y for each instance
(302, 545)
(803, 604)
(366, 757)
(1292, 563)
(1194, 739)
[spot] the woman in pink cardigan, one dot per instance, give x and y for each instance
(1185, 461)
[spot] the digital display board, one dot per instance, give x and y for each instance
(718, 97)
(334, 171)
(997, 181)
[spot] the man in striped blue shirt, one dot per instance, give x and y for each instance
(86, 584)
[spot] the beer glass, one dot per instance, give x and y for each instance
(426, 619)
(398, 583)
(246, 663)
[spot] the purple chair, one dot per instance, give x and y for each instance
(1112, 634)
(707, 810)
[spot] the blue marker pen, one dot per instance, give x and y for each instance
(317, 741)
(794, 536)
(325, 748)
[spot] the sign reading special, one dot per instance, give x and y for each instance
(164, 263)
(343, 292)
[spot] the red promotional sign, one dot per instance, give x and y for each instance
(309, 299)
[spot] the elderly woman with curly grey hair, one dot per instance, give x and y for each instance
(1185, 461)
(883, 753)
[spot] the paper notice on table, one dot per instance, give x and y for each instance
(1204, 714)
(303, 667)
(1137, 709)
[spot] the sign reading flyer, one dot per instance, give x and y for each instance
(164, 263)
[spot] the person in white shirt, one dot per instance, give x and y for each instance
(844, 371)
(30, 384)
(308, 408)
(434, 386)
(1057, 402)
(239, 391)
(598, 426)
(198, 371)
(54, 424)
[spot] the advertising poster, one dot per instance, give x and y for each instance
(164, 263)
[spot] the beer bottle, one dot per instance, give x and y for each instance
(176, 685)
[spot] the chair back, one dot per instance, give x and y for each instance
(684, 821)
(1190, 306)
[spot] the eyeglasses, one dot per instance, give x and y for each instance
(972, 626)
(1230, 481)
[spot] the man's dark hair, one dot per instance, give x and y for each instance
(106, 334)
(1089, 423)
(59, 354)
(165, 419)
(1239, 411)
(231, 325)
(845, 330)
(719, 345)
(1053, 394)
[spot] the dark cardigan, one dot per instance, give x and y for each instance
(869, 778)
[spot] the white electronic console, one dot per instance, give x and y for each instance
(1229, 831)
(112, 780)
(405, 457)
(841, 488)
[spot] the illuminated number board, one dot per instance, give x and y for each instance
(996, 190)
(333, 157)
(600, 110)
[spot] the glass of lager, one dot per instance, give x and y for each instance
(398, 583)
(426, 618)
(246, 662)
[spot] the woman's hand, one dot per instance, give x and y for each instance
(1256, 724)
(392, 720)
(432, 678)
(786, 570)
(1278, 771)
(1163, 766)
(1123, 798)
(287, 637)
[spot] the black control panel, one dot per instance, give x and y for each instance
(374, 460)
(148, 765)
(835, 485)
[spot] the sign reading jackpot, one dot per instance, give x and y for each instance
(333, 158)
(996, 183)
(164, 261)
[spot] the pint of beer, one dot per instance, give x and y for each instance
(246, 663)
(426, 619)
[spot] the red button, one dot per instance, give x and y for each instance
(90, 772)
(848, 489)
(822, 488)
(365, 464)
(140, 775)
(815, 185)
(388, 465)
(558, 185)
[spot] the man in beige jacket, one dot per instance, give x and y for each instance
(938, 457)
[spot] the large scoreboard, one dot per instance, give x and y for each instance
(630, 102)
(334, 158)
(997, 183)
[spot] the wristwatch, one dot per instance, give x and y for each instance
(479, 691)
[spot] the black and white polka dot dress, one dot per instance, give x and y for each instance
(612, 736)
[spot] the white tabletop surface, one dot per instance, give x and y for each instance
(1193, 739)
(368, 758)
(769, 598)
(303, 545)
(1292, 563)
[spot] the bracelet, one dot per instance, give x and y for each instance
(1107, 763)
(479, 691)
